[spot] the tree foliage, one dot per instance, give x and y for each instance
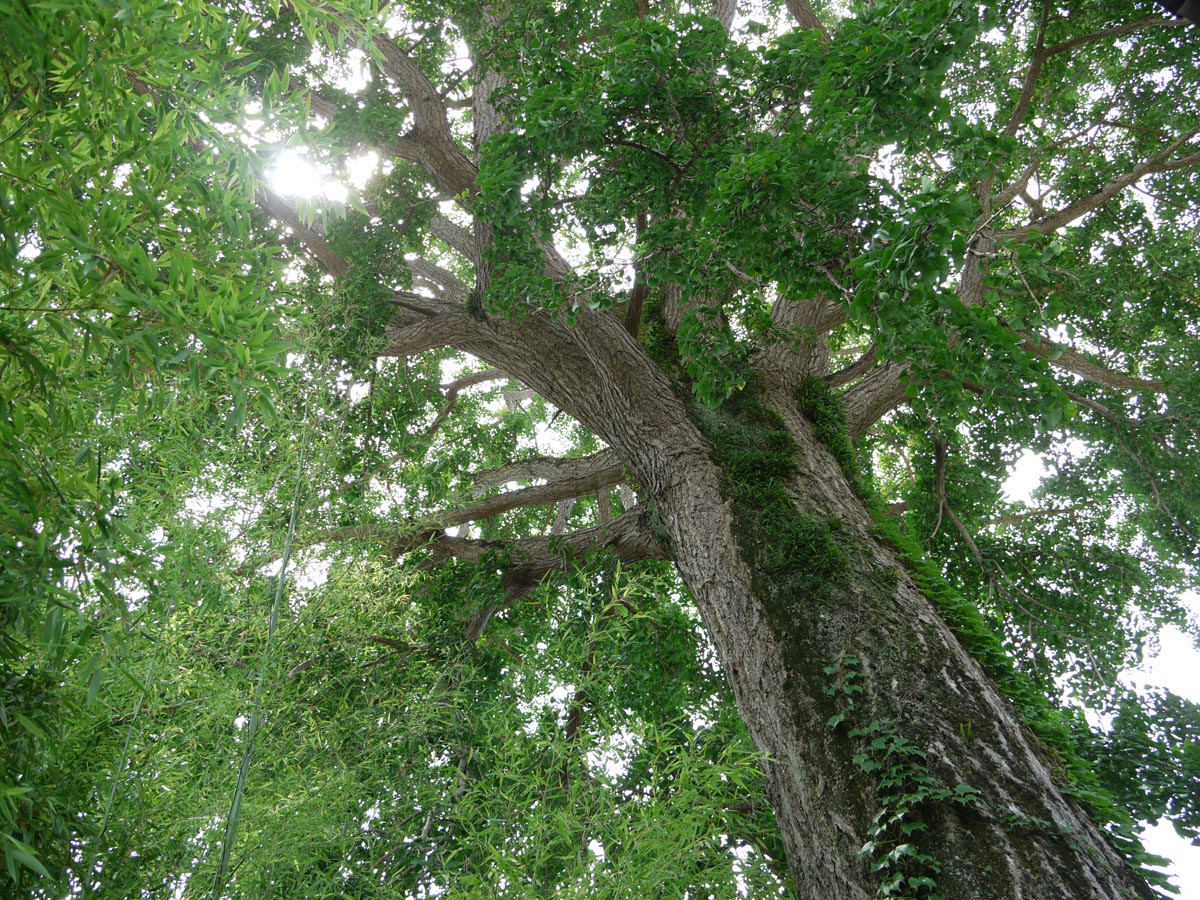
(475, 662)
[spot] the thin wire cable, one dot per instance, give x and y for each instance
(260, 687)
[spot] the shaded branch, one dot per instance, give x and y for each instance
(454, 236)
(874, 396)
(404, 336)
(430, 142)
(1079, 364)
(637, 294)
(724, 11)
(1017, 518)
(438, 279)
(798, 350)
(544, 467)
(944, 503)
(322, 105)
(1031, 74)
(855, 370)
(528, 560)
(452, 390)
(1116, 31)
(807, 19)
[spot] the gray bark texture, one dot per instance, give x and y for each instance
(1021, 837)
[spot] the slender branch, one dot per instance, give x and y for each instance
(621, 142)
(574, 479)
(452, 391)
(1150, 475)
(1116, 31)
(944, 503)
(472, 379)
(1040, 55)
(1031, 75)
(1010, 193)
(1017, 518)
(1164, 162)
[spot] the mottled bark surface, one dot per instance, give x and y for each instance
(1021, 839)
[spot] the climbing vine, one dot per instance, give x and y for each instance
(904, 785)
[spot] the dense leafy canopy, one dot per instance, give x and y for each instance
(436, 680)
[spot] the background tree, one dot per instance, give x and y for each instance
(130, 336)
(646, 459)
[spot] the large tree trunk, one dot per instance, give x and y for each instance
(816, 620)
(799, 641)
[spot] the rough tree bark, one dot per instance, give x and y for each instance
(781, 650)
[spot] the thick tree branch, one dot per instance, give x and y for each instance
(627, 535)
(454, 236)
(724, 11)
(438, 279)
(1079, 364)
(280, 209)
(799, 349)
(548, 468)
(806, 18)
(322, 105)
(430, 141)
(406, 336)
(855, 370)
(877, 394)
